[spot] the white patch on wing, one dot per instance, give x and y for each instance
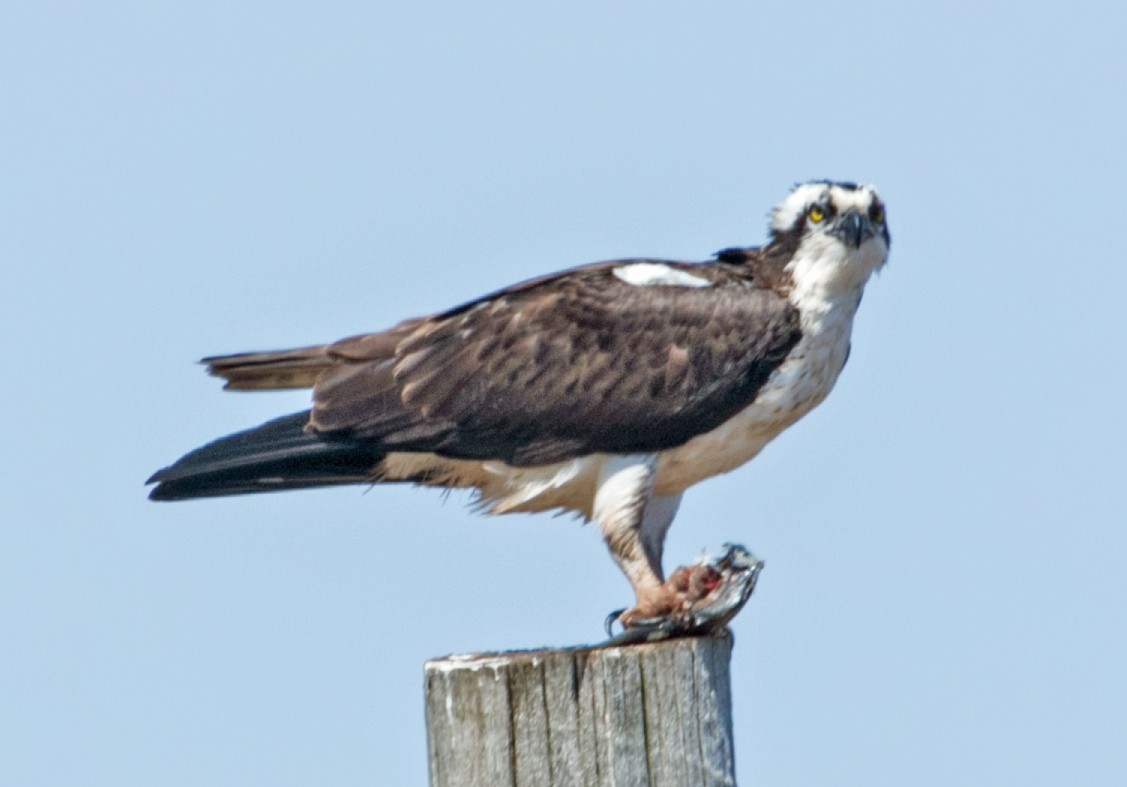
(648, 274)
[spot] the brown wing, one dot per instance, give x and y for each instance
(559, 367)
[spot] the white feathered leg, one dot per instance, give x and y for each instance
(625, 487)
(634, 523)
(656, 520)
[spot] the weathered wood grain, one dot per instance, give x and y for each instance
(652, 715)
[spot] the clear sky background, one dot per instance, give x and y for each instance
(945, 538)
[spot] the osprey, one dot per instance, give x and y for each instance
(605, 390)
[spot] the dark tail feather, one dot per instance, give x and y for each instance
(273, 457)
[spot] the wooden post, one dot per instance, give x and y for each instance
(653, 715)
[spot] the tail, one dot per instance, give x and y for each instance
(298, 368)
(273, 457)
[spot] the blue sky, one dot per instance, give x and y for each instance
(944, 595)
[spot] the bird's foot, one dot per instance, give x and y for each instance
(696, 599)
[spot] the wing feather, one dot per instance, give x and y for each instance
(298, 368)
(562, 366)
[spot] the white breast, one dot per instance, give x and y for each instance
(794, 389)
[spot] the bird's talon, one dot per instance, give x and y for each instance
(612, 618)
(696, 599)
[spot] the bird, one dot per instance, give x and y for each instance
(604, 390)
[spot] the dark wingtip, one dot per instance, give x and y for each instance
(159, 493)
(170, 490)
(276, 456)
(163, 489)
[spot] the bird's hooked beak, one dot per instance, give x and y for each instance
(852, 228)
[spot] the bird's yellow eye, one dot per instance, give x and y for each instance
(876, 214)
(816, 213)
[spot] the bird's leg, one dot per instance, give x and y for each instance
(667, 599)
(634, 523)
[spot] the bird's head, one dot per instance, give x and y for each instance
(841, 227)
